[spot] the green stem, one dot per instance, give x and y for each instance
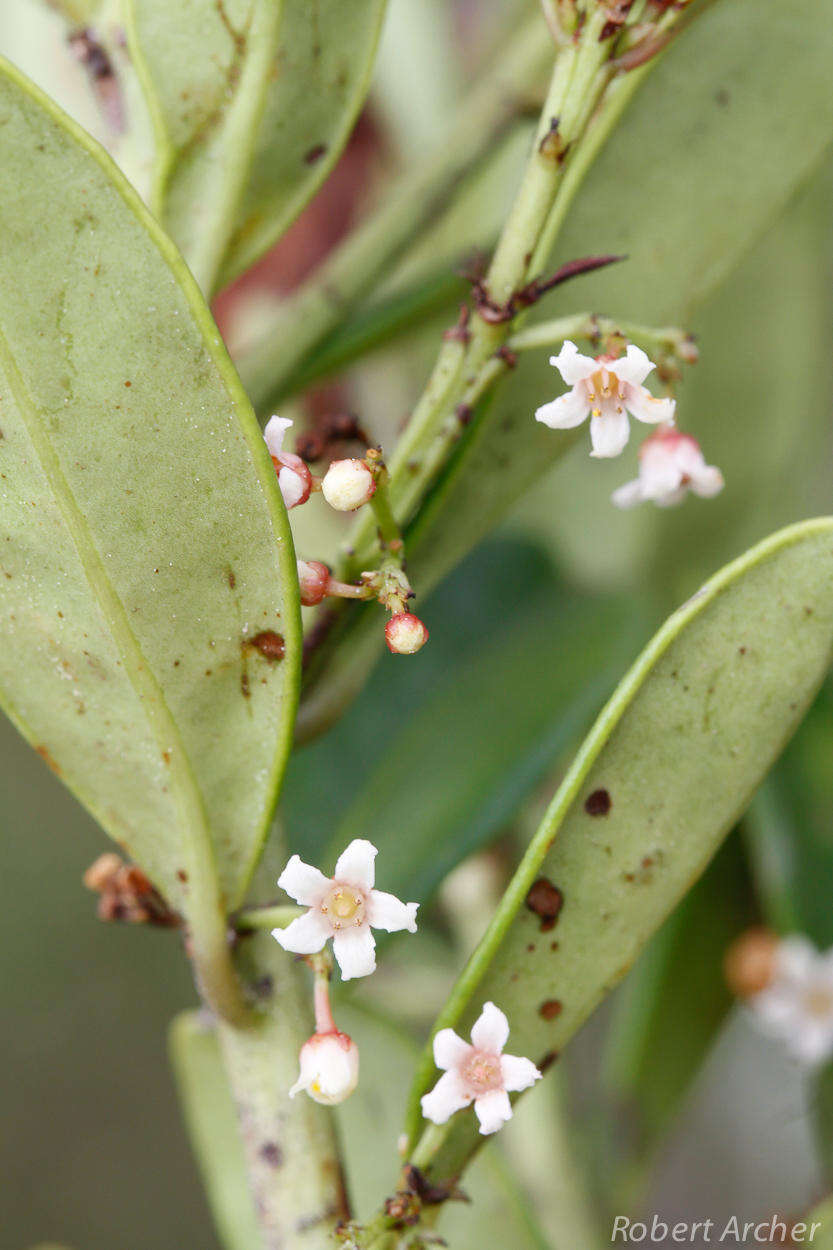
(277, 917)
(415, 202)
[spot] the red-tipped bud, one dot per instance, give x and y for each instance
(405, 633)
(329, 1068)
(313, 578)
(347, 484)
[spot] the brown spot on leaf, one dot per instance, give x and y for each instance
(546, 900)
(49, 759)
(547, 1061)
(181, 875)
(232, 580)
(272, 1154)
(313, 156)
(270, 645)
(598, 803)
(550, 1009)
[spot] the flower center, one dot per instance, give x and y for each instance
(819, 1002)
(344, 905)
(481, 1072)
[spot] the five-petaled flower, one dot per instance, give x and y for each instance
(797, 1005)
(670, 464)
(344, 907)
(478, 1073)
(294, 477)
(606, 389)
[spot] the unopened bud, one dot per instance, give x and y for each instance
(347, 485)
(294, 477)
(749, 964)
(405, 633)
(313, 579)
(329, 1068)
(103, 872)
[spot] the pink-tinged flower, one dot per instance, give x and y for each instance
(405, 634)
(478, 1073)
(670, 465)
(606, 389)
(294, 477)
(329, 1068)
(344, 907)
(797, 1005)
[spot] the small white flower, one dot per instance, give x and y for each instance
(344, 907)
(670, 465)
(606, 389)
(329, 1068)
(478, 1073)
(797, 1005)
(293, 475)
(347, 485)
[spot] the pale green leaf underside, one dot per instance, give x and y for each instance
(680, 749)
(252, 102)
(143, 543)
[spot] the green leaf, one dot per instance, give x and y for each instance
(145, 549)
(252, 102)
(433, 798)
(325, 59)
(790, 835)
(670, 765)
(210, 1117)
(673, 1004)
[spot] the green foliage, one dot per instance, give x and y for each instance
(252, 102)
(147, 545)
(668, 768)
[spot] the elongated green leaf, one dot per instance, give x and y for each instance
(434, 797)
(148, 571)
(668, 768)
(208, 1110)
(676, 998)
(325, 59)
(252, 102)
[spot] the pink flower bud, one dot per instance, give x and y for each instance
(405, 633)
(294, 477)
(347, 485)
(329, 1068)
(313, 578)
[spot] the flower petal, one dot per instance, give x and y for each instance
(796, 958)
(385, 911)
(449, 1049)
(493, 1110)
(812, 1042)
(672, 497)
(634, 366)
(566, 412)
(629, 495)
(609, 433)
(304, 936)
(660, 470)
(707, 482)
(447, 1096)
(572, 366)
(355, 952)
(275, 432)
(303, 882)
(646, 407)
(491, 1031)
(518, 1073)
(355, 864)
(293, 487)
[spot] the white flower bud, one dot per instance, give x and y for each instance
(313, 579)
(347, 485)
(294, 477)
(329, 1068)
(405, 633)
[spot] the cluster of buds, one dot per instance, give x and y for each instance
(346, 486)
(609, 389)
(125, 893)
(787, 986)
